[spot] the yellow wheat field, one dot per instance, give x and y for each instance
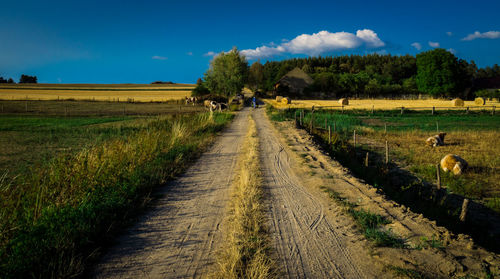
(377, 104)
(101, 92)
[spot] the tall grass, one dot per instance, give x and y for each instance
(54, 218)
(245, 253)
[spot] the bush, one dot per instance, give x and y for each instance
(488, 93)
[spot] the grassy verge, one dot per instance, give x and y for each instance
(53, 218)
(370, 224)
(245, 253)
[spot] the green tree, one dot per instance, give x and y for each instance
(256, 76)
(28, 79)
(227, 74)
(438, 72)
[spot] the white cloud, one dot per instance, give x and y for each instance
(156, 57)
(318, 43)
(417, 45)
(485, 35)
(433, 44)
(210, 53)
(449, 33)
(452, 50)
(190, 53)
(262, 52)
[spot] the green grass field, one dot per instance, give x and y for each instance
(68, 183)
(473, 136)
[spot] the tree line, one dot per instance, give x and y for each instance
(437, 73)
(22, 79)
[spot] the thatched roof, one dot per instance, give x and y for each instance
(296, 80)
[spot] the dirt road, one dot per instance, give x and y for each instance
(306, 243)
(179, 235)
(311, 236)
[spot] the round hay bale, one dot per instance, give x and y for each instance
(453, 163)
(279, 98)
(286, 101)
(457, 102)
(479, 101)
(344, 101)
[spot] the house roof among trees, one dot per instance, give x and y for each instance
(296, 79)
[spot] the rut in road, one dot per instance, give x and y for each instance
(178, 237)
(306, 244)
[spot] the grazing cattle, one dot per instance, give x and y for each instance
(453, 163)
(207, 103)
(437, 140)
(190, 100)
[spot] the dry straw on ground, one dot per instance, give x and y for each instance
(279, 98)
(244, 254)
(105, 92)
(379, 104)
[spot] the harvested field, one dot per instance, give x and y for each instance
(91, 108)
(379, 104)
(95, 92)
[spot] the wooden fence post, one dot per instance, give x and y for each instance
(342, 108)
(385, 128)
(467, 110)
(438, 174)
(354, 138)
(373, 108)
(437, 127)
(386, 152)
(433, 110)
(402, 110)
(366, 159)
(463, 214)
(329, 134)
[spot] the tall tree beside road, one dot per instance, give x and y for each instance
(227, 74)
(256, 76)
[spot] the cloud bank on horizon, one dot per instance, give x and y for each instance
(318, 43)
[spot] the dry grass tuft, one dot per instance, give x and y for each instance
(244, 254)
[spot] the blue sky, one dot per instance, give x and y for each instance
(143, 41)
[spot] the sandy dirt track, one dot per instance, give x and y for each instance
(179, 235)
(306, 242)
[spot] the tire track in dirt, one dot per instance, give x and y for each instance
(178, 236)
(306, 244)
